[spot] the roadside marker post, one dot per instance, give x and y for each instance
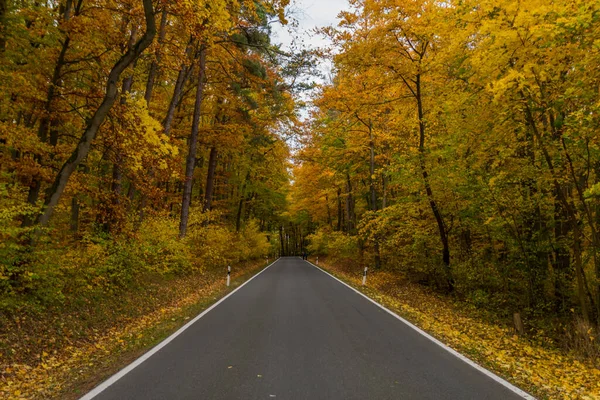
(365, 276)
(317, 260)
(228, 275)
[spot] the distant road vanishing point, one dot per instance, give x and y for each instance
(294, 332)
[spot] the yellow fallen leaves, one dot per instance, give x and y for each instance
(56, 373)
(545, 372)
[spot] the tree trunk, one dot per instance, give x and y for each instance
(117, 173)
(566, 202)
(373, 192)
(47, 117)
(562, 257)
(587, 212)
(238, 219)
(433, 204)
(372, 169)
(210, 179)
(148, 97)
(76, 205)
(158, 57)
(328, 210)
(238, 216)
(74, 223)
(339, 210)
(282, 253)
(83, 148)
(349, 206)
(3, 11)
(581, 289)
(384, 198)
(182, 78)
(193, 145)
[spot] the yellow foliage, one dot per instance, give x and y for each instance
(544, 371)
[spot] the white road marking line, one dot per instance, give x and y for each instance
(455, 353)
(104, 385)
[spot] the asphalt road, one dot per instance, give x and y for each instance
(294, 332)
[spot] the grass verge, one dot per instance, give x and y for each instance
(106, 344)
(530, 363)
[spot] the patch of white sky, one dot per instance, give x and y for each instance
(305, 18)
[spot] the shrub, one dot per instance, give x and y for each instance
(334, 244)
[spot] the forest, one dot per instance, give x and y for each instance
(140, 135)
(147, 144)
(458, 145)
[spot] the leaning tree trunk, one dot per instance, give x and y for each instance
(193, 146)
(112, 91)
(434, 207)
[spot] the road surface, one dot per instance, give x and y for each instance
(293, 333)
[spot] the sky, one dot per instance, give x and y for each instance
(310, 14)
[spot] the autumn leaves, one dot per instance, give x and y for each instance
(458, 143)
(204, 67)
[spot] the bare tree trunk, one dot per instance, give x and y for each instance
(83, 148)
(210, 179)
(158, 57)
(433, 204)
(193, 145)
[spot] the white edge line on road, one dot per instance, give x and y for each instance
(104, 385)
(455, 353)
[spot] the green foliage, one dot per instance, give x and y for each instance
(100, 264)
(334, 244)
